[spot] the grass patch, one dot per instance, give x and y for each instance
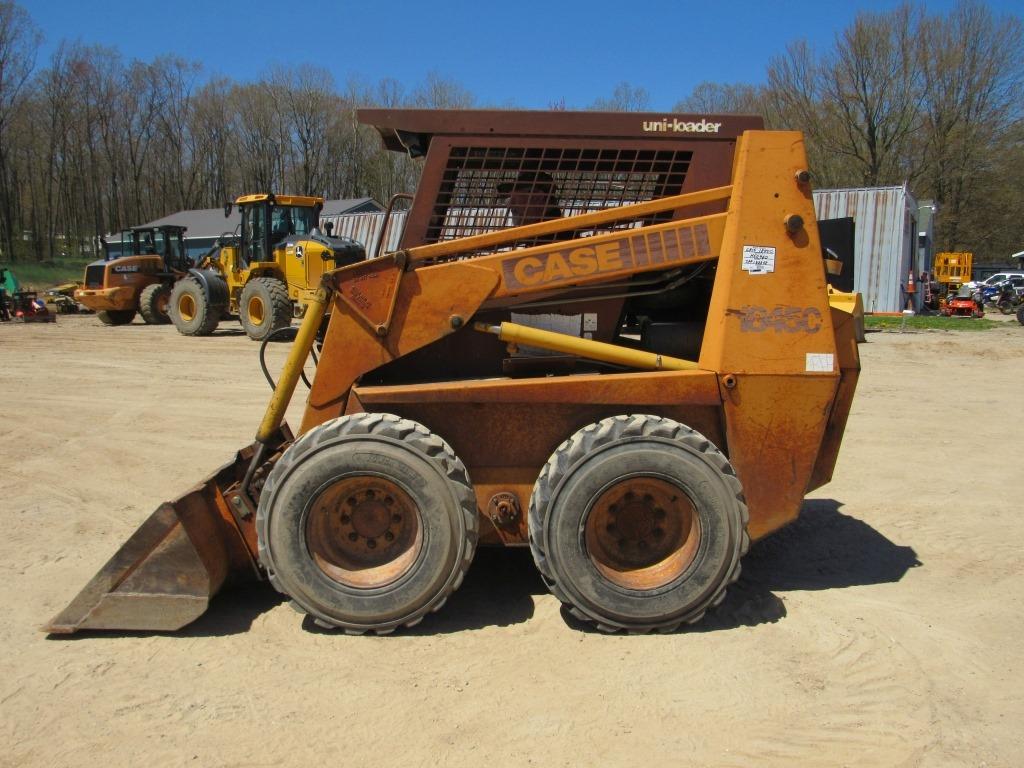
(930, 322)
(36, 276)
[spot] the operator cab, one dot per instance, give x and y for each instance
(269, 222)
(167, 241)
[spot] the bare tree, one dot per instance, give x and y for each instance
(724, 99)
(973, 74)
(438, 93)
(19, 43)
(306, 99)
(625, 98)
(859, 104)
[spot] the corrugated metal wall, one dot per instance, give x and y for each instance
(885, 239)
(366, 227)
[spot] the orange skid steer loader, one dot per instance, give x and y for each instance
(634, 389)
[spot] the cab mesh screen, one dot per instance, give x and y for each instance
(480, 186)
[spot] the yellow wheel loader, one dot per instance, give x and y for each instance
(267, 273)
(607, 338)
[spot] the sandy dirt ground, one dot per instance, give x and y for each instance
(883, 628)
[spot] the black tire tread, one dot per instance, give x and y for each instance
(210, 315)
(116, 316)
(574, 449)
(147, 304)
(396, 428)
(280, 308)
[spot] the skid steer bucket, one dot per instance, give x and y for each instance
(164, 575)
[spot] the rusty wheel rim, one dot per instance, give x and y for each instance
(364, 532)
(642, 533)
(186, 307)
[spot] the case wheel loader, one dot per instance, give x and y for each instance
(600, 340)
(267, 273)
(139, 281)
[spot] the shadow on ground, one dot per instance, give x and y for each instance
(498, 591)
(823, 549)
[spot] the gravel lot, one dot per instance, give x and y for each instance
(883, 628)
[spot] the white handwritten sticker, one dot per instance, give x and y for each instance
(758, 259)
(818, 362)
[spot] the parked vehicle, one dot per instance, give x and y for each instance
(966, 303)
(993, 280)
(1007, 298)
(137, 277)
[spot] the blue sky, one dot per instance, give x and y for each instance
(514, 54)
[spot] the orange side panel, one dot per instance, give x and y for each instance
(774, 427)
(431, 303)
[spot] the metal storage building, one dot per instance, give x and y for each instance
(886, 240)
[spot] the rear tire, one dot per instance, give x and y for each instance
(154, 302)
(116, 316)
(638, 523)
(264, 307)
(368, 522)
(190, 311)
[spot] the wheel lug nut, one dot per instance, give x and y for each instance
(389, 536)
(371, 543)
(353, 536)
(388, 500)
(345, 519)
(630, 495)
(370, 494)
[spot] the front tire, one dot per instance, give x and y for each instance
(368, 522)
(264, 307)
(116, 316)
(638, 523)
(191, 311)
(154, 302)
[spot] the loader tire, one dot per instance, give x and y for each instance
(190, 310)
(638, 523)
(1020, 315)
(116, 316)
(154, 302)
(264, 307)
(368, 522)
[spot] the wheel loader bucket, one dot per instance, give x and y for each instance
(165, 574)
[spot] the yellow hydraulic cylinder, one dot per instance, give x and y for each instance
(293, 365)
(592, 350)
